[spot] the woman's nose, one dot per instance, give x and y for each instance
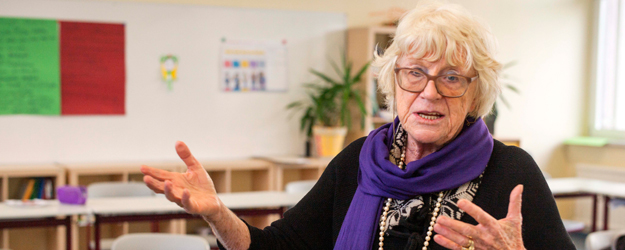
(430, 91)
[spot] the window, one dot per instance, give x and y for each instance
(609, 94)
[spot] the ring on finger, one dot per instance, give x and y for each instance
(470, 245)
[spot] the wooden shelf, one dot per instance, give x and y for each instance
(289, 169)
(12, 178)
(239, 175)
(361, 43)
(116, 171)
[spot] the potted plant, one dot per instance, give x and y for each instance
(326, 112)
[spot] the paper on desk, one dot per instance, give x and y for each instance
(27, 203)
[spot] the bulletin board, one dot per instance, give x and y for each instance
(53, 67)
(194, 108)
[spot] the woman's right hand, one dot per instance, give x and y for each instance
(193, 190)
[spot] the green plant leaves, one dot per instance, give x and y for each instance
(328, 103)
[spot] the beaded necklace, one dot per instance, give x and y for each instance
(387, 206)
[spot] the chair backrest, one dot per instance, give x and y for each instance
(159, 241)
(118, 189)
(606, 240)
(300, 186)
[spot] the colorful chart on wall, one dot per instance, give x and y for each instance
(253, 66)
(48, 67)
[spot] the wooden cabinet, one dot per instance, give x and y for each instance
(361, 43)
(290, 169)
(241, 175)
(13, 178)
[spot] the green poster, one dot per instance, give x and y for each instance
(29, 67)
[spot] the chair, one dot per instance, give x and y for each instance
(606, 240)
(159, 241)
(116, 189)
(299, 186)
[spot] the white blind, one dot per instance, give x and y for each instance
(610, 78)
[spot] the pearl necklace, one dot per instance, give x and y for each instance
(387, 207)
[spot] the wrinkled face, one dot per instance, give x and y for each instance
(428, 117)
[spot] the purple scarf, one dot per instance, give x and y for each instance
(456, 163)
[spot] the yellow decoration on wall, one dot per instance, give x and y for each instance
(169, 67)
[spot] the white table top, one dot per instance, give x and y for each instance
(159, 204)
(52, 208)
(262, 199)
(243, 200)
(145, 205)
(579, 185)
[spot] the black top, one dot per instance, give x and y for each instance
(315, 222)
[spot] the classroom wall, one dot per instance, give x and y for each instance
(549, 39)
(551, 42)
(215, 124)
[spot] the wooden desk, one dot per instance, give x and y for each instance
(109, 210)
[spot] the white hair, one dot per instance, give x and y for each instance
(433, 30)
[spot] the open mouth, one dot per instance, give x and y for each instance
(430, 115)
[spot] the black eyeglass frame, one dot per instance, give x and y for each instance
(433, 78)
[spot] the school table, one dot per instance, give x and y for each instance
(126, 209)
(579, 187)
(49, 213)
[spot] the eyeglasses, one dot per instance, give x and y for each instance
(415, 81)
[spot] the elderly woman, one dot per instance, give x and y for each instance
(432, 179)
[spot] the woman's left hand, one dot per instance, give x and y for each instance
(490, 233)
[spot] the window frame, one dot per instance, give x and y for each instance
(599, 61)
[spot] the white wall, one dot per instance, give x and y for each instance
(213, 123)
(550, 40)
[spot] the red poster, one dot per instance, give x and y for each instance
(93, 70)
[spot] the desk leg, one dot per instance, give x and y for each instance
(68, 232)
(5, 238)
(97, 232)
(594, 213)
(606, 208)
